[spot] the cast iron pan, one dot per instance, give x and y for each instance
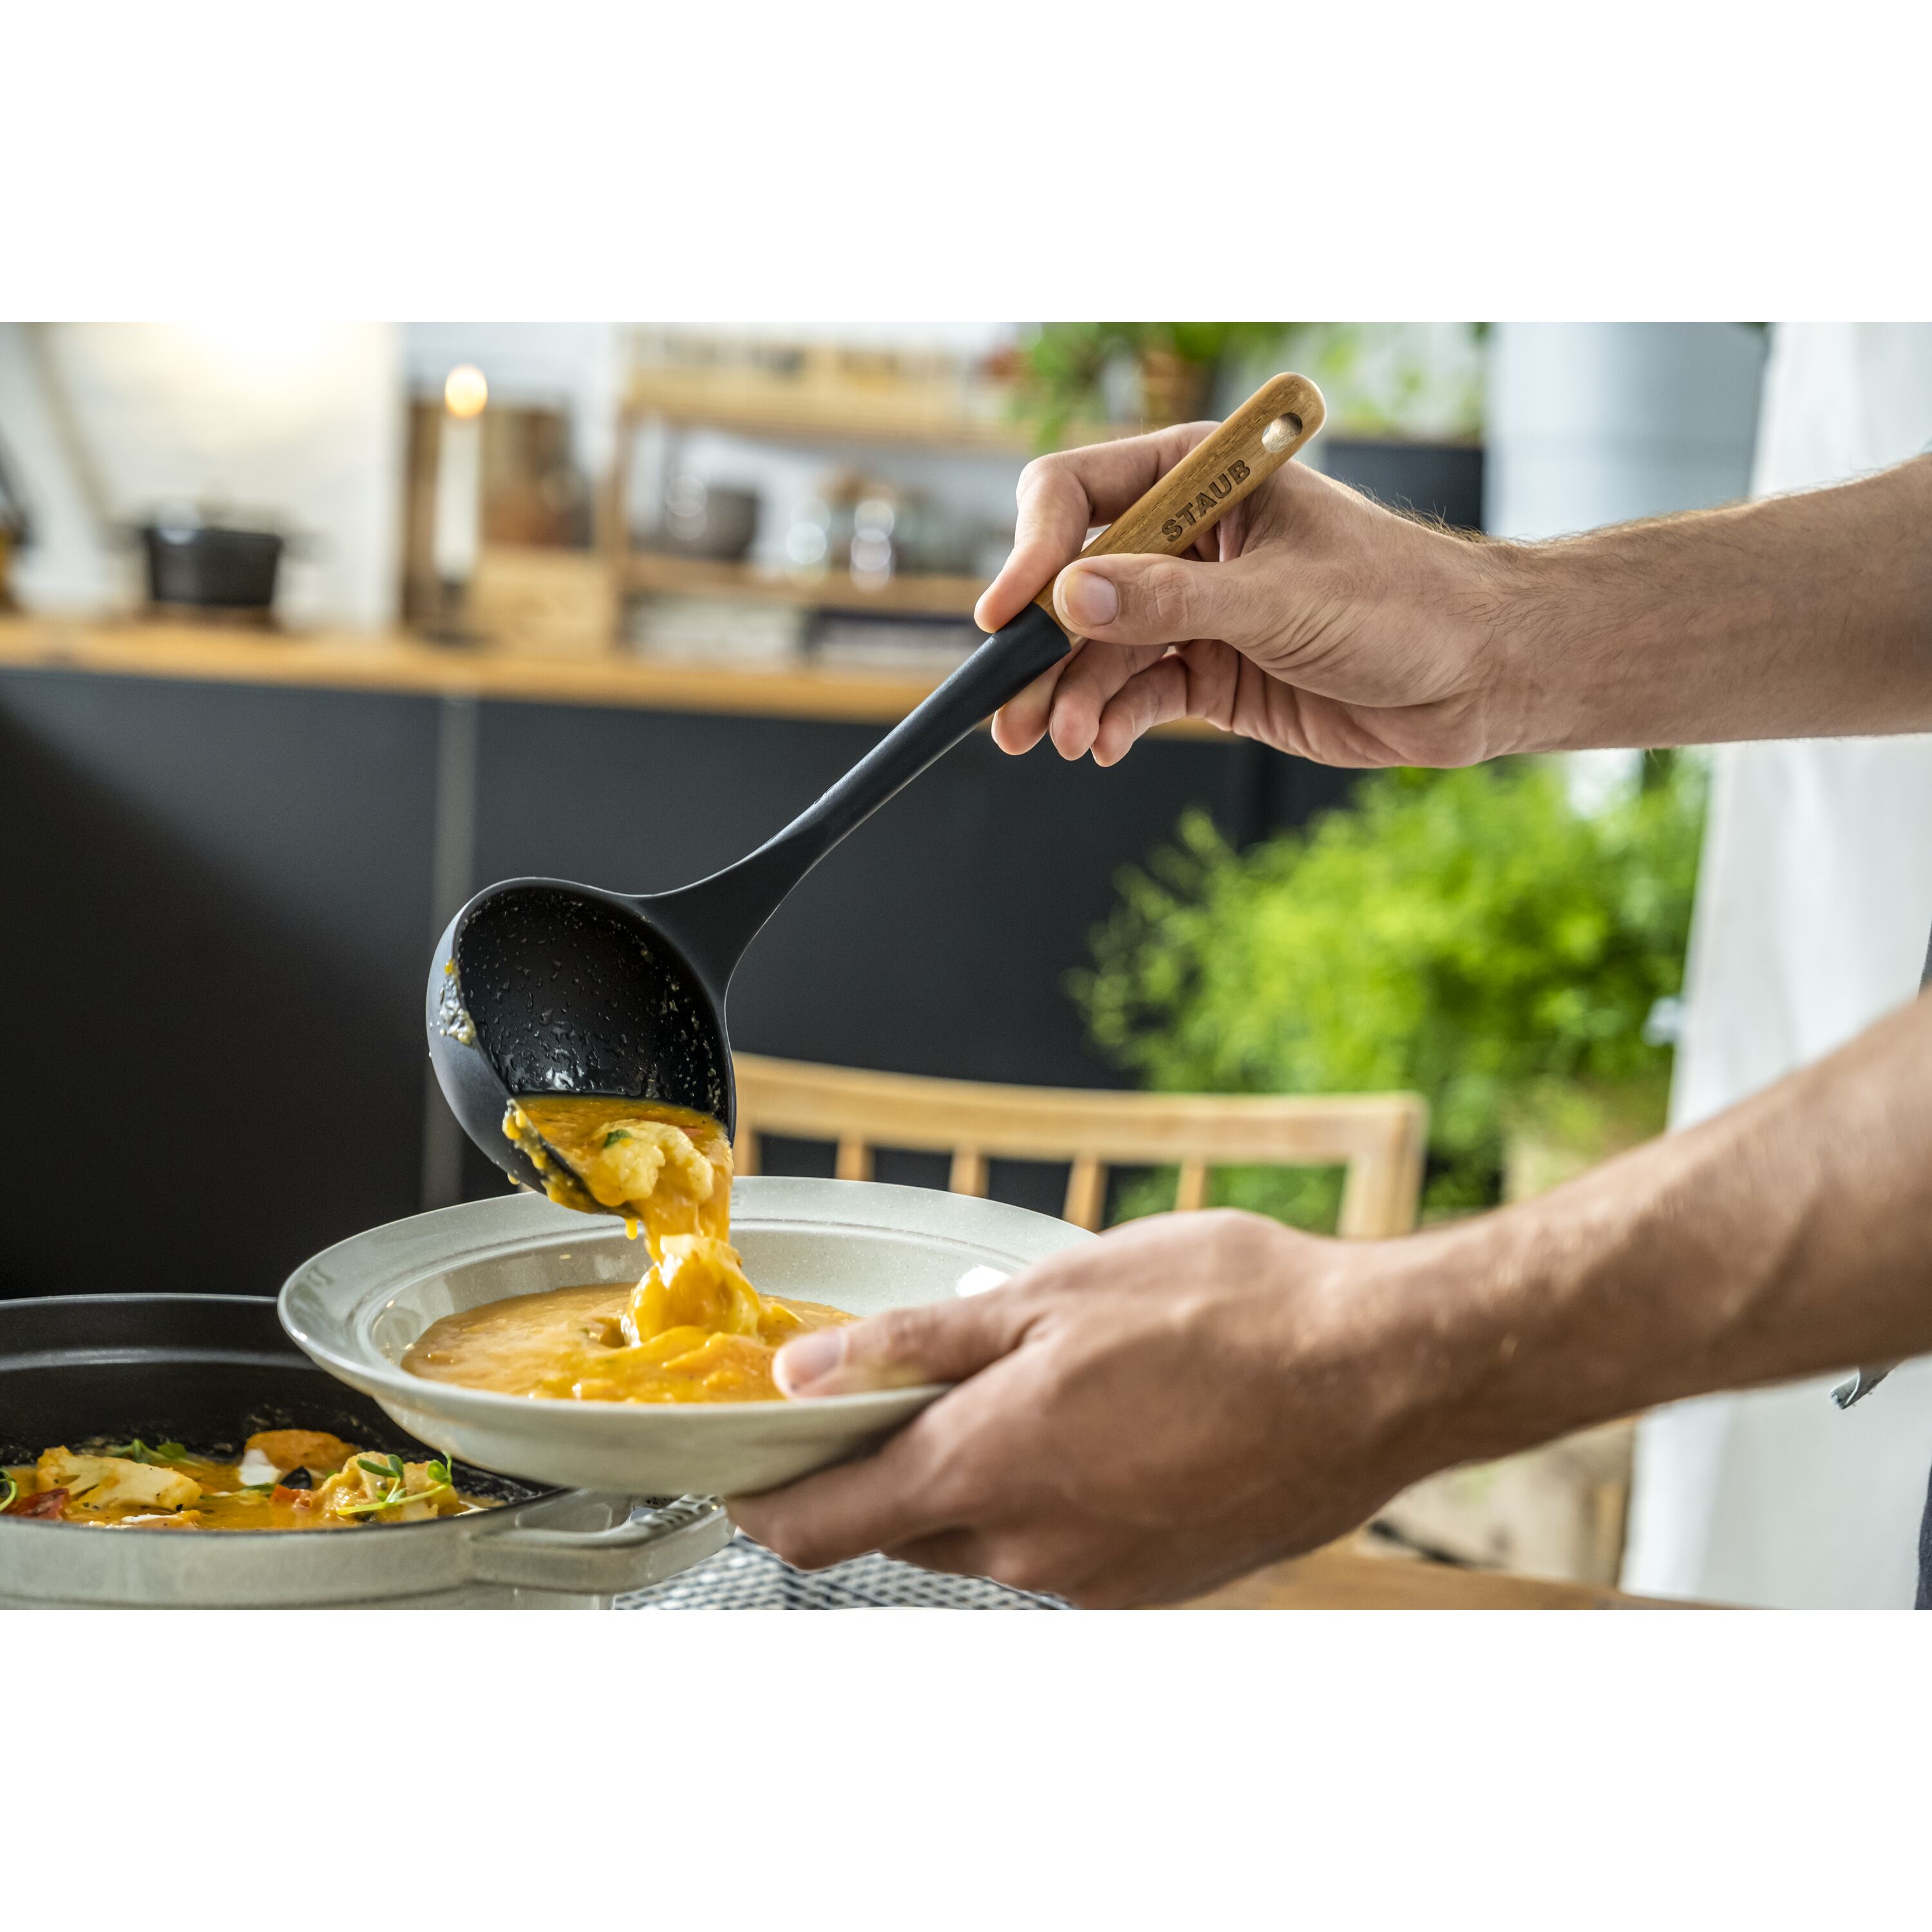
(204, 1370)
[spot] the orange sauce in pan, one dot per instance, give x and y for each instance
(164, 1487)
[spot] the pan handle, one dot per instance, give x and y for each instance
(655, 1542)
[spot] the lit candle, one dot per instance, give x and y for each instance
(459, 475)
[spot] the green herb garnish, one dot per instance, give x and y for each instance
(393, 1498)
(138, 1451)
(398, 1492)
(615, 1134)
(9, 1489)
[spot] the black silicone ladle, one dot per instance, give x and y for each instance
(540, 986)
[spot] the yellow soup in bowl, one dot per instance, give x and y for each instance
(693, 1330)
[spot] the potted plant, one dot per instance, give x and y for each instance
(1472, 935)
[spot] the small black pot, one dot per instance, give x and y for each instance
(211, 566)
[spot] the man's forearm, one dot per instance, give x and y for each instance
(1803, 615)
(1791, 1235)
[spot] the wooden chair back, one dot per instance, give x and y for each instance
(1378, 1138)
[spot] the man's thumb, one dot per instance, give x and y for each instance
(1153, 600)
(944, 1341)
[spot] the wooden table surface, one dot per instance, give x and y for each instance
(1347, 1576)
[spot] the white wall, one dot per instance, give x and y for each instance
(299, 423)
(571, 366)
(1593, 423)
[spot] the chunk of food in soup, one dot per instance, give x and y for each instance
(693, 1330)
(281, 1451)
(666, 1169)
(103, 1483)
(273, 1486)
(385, 1489)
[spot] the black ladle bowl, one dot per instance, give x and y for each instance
(541, 986)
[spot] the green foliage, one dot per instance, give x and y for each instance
(1380, 379)
(1305, 1197)
(1467, 934)
(157, 1456)
(1065, 364)
(1394, 379)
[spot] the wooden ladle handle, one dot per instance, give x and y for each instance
(1207, 482)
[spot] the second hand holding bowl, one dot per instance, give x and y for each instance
(541, 986)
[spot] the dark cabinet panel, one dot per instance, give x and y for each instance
(1443, 480)
(937, 939)
(214, 914)
(217, 903)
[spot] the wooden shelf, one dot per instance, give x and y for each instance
(966, 418)
(793, 409)
(909, 594)
(393, 662)
(345, 661)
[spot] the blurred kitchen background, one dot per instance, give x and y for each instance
(307, 631)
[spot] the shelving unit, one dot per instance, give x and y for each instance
(818, 404)
(815, 394)
(909, 594)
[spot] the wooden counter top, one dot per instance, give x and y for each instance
(346, 662)
(1350, 1576)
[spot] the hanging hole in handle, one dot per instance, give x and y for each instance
(1280, 433)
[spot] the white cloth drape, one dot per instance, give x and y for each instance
(1814, 907)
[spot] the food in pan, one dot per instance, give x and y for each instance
(286, 1479)
(693, 1330)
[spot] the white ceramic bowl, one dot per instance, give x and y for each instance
(357, 1307)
